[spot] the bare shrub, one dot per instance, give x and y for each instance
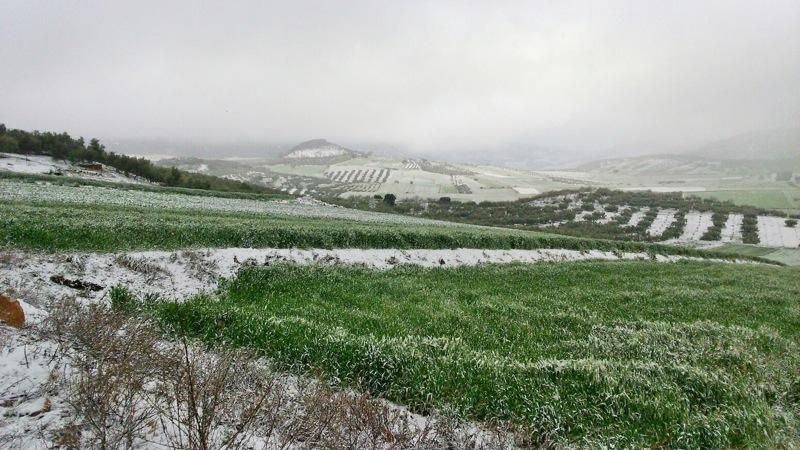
(213, 401)
(111, 358)
(150, 270)
(200, 267)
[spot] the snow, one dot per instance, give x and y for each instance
(663, 220)
(26, 404)
(773, 232)
(525, 190)
(697, 223)
(13, 190)
(182, 274)
(666, 188)
(43, 165)
(637, 217)
(732, 231)
(327, 151)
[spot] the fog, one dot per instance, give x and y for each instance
(438, 78)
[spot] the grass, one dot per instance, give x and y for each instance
(787, 256)
(781, 199)
(622, 354)
(742, 249)
(91, 227)
(76, 181)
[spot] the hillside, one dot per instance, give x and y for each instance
(320, 150)
(783, 144)
(59, 153)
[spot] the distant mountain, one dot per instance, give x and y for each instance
(762, 145)
(751, 153)
(320, 149)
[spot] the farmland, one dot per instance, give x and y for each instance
(557, 339)
(55, 217)
(782, 199)
(688, 355)
(760, 184)
(672, 218)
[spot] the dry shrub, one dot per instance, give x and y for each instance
(149, 269)
(111, 359)
(213, 401)
(200, 266)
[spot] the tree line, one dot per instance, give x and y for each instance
(62, 146)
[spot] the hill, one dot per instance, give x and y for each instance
(57, 153)
(320, 149)
(780, 144)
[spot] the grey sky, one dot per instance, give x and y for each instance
(422, 75)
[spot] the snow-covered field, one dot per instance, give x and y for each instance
(43, 165)
(11, 190)
(662, 221)
(665, 189)
(525, 190)
(773, 232)
(638, 216)
(327, 151)
(697, 223)
(732, 231)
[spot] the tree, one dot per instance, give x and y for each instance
(8, 144)
(95, 151)
(389, 199)
(174, 177)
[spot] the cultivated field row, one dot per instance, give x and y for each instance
(359, 175)
(772, 231)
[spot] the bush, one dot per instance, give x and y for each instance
(389, 199)
(791, 223)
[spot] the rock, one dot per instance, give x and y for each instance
(76, 284)
(11, 312)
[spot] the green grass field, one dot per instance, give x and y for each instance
(787, 200)
(615, 354)
(75, 181)
(92, 227)
(787, 256)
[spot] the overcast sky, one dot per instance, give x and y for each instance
(431, 76)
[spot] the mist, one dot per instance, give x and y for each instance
(446, 79)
